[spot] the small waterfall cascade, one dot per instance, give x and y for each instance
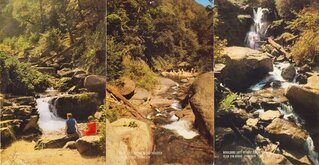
(48, 121)
(259, 29)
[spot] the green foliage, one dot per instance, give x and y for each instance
(228, 25)
(227, 103)
(219, 44)
(139, 72)
(287, 8)
(170, 31)
(306, 49)
(20, 78)
(49, 41)
(55, 25)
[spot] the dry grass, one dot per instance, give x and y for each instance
(22, 152)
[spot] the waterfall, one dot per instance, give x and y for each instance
(48, 121)
(313, 155)
(259, 29)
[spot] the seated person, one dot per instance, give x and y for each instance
(71, 128)
(91, 127)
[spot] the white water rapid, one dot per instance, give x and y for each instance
(253, 39)
(48, 121)
(259, 29)
(275, 75)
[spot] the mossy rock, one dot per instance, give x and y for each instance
(80, 105)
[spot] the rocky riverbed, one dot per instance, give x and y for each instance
(274, 113)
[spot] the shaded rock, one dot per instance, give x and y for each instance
(305, 68)
(186, 114)
(66, 65)
(252, 122)
(301, 79)
(288, 73)
(275, 84)
(201, 95)
(305, 101)
(141, 94)
(7, 136)
(296, 157)
(270, 115)
(287, 133)
(268, 105)
(275, 52)
(80, 105)
(48, 70)
(24, 100)
(95, 83)
(224, 137)
(127, 87)
(170, 148)
(272, 158)
(53, 141)
(89, 145)
(70, 145)
(244, 67)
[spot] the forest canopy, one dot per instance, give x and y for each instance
(44, 28)
(161, 33)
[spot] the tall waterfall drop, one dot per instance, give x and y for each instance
(259, 29)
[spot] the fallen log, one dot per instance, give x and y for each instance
(279, 48)
(118, 95)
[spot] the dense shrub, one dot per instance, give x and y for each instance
(139, 72)
(286, 8)
(20, 78)
(306, 24)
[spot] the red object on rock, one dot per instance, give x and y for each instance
(91, 129)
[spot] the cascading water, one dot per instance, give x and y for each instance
(259, 29)
(253, 39)
(48, 121)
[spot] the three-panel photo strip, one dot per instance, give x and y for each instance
(159, 82)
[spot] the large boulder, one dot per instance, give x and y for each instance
(53, 141)
(287, 133)
(244, 67)
(89, 145)
(80, 105)
(272, 158)
(201, 96)
(288, 73)
(125, 144)
(127, 87)
(313, 81)
(141, 94)
(305, 101)
(95, 83)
